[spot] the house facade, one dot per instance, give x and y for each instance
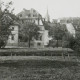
(24, 14)
(32, 16)
(28, 16)
(43, 37)
(12, 41)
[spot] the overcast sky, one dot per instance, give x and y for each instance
(56, 8)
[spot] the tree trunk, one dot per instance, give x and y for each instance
(57, 43)
(29, 42)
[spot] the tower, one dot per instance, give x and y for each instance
(0, 14)
(0, 4)
(47, 18)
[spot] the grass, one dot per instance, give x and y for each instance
(39, 70)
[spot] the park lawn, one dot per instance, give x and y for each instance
(39, 70)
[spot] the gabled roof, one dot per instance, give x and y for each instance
(10, 18)
(25, 11)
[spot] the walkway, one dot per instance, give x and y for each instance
(58, 58)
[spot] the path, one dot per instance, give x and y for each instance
(58, 58)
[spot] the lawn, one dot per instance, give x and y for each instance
(39, 70)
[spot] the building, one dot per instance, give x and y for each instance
(55, 21)
(43, 37)
(32, 16)
(12, 41)
(68, 22)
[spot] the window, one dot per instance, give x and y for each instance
(34, 11)
(22, 21)
(12, 28)
(29, 15)
(20, 15)
(38, 44)
(12, 37)
(40, 37)
(34, 15)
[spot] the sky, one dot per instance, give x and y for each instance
(56, 8)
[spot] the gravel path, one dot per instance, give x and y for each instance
(57, 58)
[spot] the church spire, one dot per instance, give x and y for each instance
(47, 18)
(0, 5)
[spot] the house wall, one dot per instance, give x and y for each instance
(45, 37)
(37, 19)
(28, 14)
(14, 33)
(44, 34)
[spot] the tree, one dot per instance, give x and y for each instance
(6, 19)
(57, 32)
(29, 31)
(77, 42)
(70, 39)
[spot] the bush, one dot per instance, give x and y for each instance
(2, 43)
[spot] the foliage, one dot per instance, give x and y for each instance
(49, 28)
(77, 42)
(28, 32)
(6, 19)
(58, 33)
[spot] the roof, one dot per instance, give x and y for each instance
(25, 11)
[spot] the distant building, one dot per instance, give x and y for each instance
(70, 29)
(68, 22)
(55, 21)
